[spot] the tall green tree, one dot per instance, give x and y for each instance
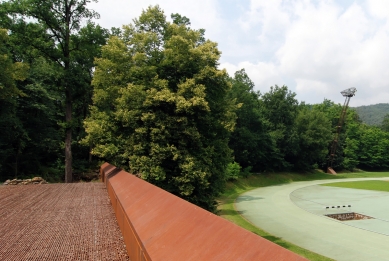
(251, 140)
(161, 108)
(10, 71)
(11, 129)
(352, 143)
(374, 148)
(57, 23)
(38, 138)
(313, 130)
(280, 108)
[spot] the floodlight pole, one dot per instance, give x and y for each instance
(348, 93)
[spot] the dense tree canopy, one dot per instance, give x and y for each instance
(385, 123)
(55, 36)
(10, 71)
(251, 140)
(13, 137)
(372, 114)
(161, 107)
(280, 108)
(313, 131)
(60, 43)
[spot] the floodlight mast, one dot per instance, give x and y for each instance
(348, 93)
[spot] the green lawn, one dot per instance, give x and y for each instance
(379, 185)
(234, 189)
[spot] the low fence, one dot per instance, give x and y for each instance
(157, 225)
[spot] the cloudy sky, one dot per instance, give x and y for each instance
(316, 48)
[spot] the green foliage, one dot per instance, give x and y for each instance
(161, 108)
(58, 84)
(374, 148)
(53, 30)
(251, 140)
(246, 172)
(352, 144)
(233, 171)
(273, 132)
(10, 71)
(280, 109)
(313, 130)
(385, 123)
(362, 145)
(13, 136)
(373, 114)
(32, 138)
(332, 112)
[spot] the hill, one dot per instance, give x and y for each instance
(373, 114)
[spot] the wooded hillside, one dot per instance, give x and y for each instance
(373, 114)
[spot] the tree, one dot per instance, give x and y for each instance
(374, 148)
(352, 143)
(161, 109)
(332, 112)
(280, 108)
(12, 131)
(250, 141)
(385, 123)
(10, 71)
(313, 129)
(58, 21)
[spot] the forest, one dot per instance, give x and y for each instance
(150, 98)
(373, 114)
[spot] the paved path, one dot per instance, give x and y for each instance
(58, 222)
(272, 209)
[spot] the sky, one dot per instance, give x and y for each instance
(316, 48)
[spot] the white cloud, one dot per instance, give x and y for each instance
(262, 74)
(328, 49)
(320, 40)
(267, 21)
(202, 14)
(317, 48)
(378, 8)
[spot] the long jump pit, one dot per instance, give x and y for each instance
(59, 222)
(340, 223)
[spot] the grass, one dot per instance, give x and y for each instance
(378, 185)
(226, 208)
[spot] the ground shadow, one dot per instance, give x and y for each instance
(230, 212)
(246, 198)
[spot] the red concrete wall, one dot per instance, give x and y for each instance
(157, 225)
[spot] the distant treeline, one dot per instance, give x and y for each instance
(150, 98)
(373, 114)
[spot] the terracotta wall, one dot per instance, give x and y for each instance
(157, 225)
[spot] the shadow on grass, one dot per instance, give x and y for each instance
(230, 212)
(277, 240)
(246, 198)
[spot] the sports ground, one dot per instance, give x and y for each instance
(297, 212)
